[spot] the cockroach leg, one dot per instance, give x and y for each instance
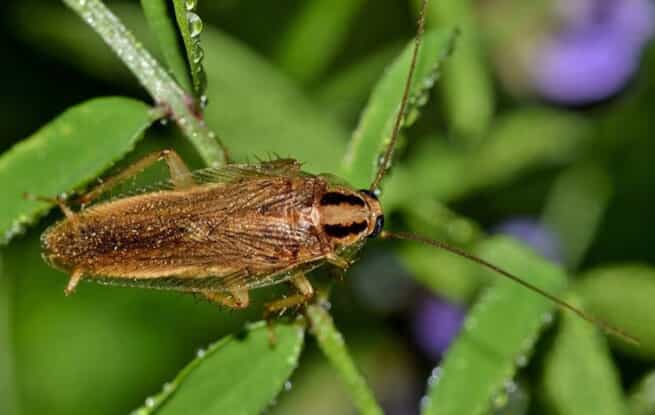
(237, 299)
(306, 292)
(337, 261)
(56, 200)
(180, 174)
(303, 285)
(75, 278)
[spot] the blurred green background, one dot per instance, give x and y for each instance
(541, 128)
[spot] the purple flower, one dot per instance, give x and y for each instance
(535, 234)
(436, 323)
(596, 51)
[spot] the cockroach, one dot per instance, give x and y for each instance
(221, 232)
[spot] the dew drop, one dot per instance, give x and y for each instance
(521, 361)
(428, 82)
(204, 101)
(168, 387)
(288, 385)
(425, 401)
(200, 353)
(190, 4)
(163, 121)
(195, 24)
(150, 402)
(197, 54)
(500, 400)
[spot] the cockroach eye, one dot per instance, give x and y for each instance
(379, 224)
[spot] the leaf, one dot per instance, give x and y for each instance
(468, 93)
(579, 376)
(154, 78)
(315, 36)
(267, 113)
(165, 30)
(333, 346)
(498, 334)
(345, 93)
(9, 401)
(622, 295)
(376, 123)
(190, 26)
(65, 154)
(236, 375)
(575, 207)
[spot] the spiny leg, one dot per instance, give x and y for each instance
(306, 292)
(337, 261)
(180, 174)
(237, 299)
(75, 278)
(55, 200)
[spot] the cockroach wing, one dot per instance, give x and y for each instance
(224, 174)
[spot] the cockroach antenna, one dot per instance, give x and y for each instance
(386, 158)
(563, 304)
(384, 166)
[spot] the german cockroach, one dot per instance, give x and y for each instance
(221, 232)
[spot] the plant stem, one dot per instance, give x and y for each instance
(154, 78)
(333, 346)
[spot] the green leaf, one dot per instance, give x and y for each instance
(9, 401)
(333, 346)
(345, 93)
(622, 295)
(579, 376)
(498, 334)
(240, 374)
(165, 29)
(376, 123)
(65, 154)
(191, 26)
(515, 144)
(154, 78)
(267, 113)
(642, 396)
(575, 207)
(468, 93)
(315, 36)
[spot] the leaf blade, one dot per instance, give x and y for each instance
(244, 368)
(481, 360)
(376, 123)
(62, 149)
(190, 26)
(579, 353)
(165, 30)
(333, 346)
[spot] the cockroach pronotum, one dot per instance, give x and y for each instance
(220, 232)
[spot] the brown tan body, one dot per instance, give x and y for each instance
(244, 227)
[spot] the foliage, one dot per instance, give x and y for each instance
(280, 99)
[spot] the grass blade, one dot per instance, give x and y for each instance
(333, 346)
(66, 153)
(165, 30)
(190, 26)
(376, 123)
(315, 36)
(155, 79)
(498, 334)
(622, 295)
(236, 375)
(578, 356)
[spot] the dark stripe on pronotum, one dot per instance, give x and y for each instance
(335, 198)
(339, 231)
